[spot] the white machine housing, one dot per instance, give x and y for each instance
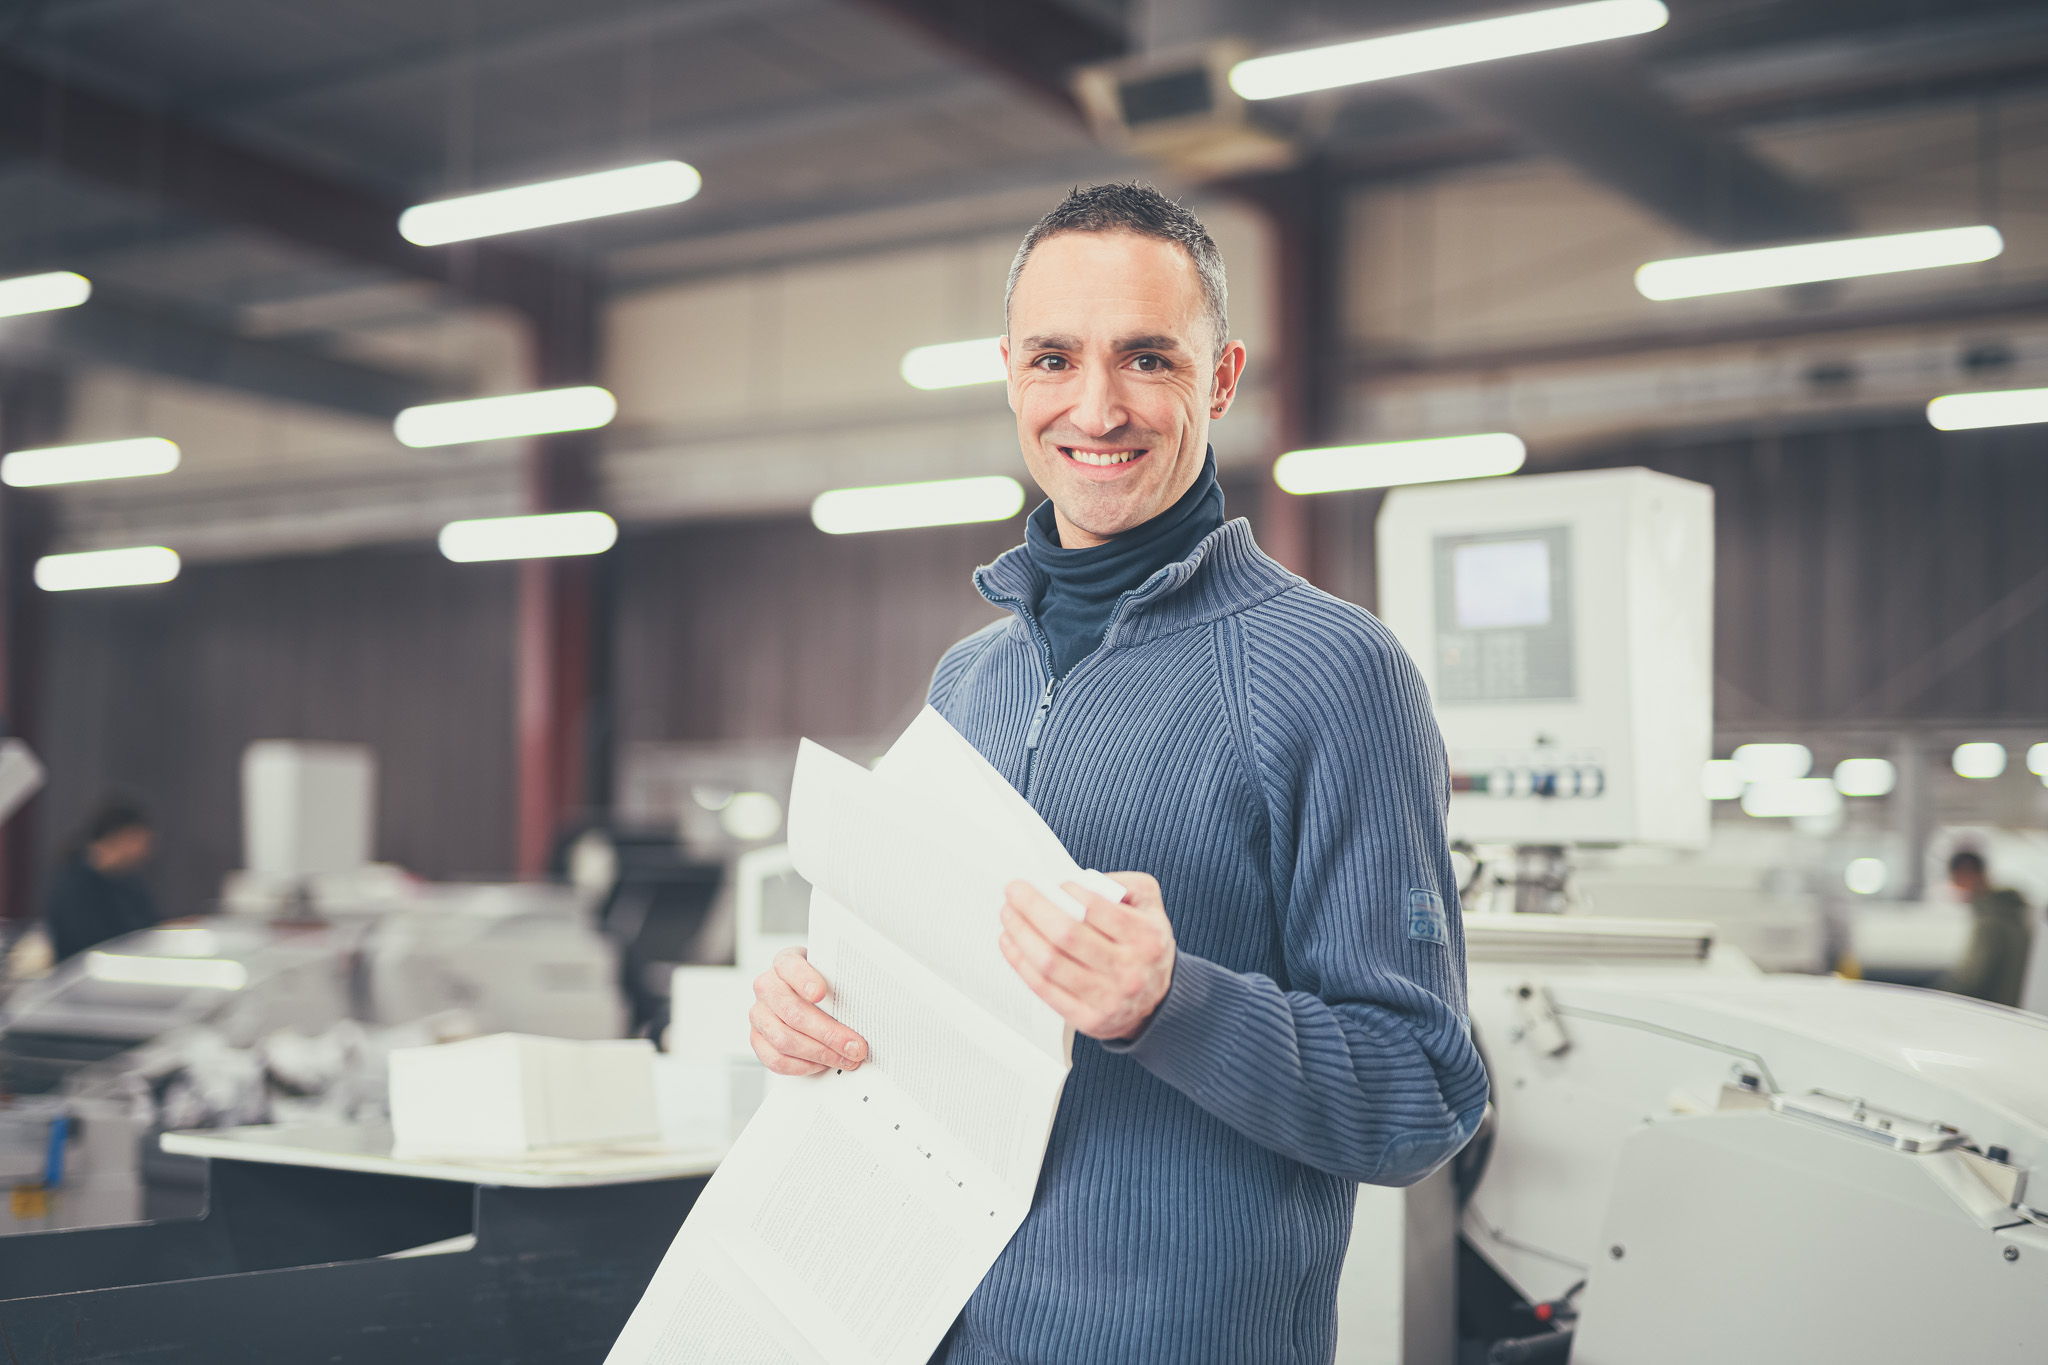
(1564, 625)
(307, 809)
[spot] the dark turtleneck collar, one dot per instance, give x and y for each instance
(1082, 585)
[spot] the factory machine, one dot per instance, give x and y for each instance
(281, 1008)
(1686, 1160)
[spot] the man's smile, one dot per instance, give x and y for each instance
(1101, 463)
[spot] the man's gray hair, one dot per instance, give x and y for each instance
(1134, 207)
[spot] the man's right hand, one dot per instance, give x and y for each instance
(790, 1034)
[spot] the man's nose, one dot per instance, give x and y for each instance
(1101, 407)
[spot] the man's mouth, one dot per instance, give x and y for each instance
(1101, 459)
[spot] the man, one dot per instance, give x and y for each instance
(1994, 966)
(98, 893)
(1276, 1010)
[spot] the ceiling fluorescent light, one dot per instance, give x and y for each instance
(2004, 408)
(84, 463)
(1387, 463)
(900, 506)
(1433, 49)
(544, 536)
(1982, 760)
(1730, 272)
(1791, 796)
(597, 195)
(106, 568)
(513, 414)
(954, 363)
(1772, 762)
(188, 973)
(1865, 777)
(42, 293)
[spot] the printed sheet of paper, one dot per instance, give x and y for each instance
(859, 1210)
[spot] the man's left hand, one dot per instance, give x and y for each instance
(1104, 974)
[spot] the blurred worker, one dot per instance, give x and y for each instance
(1275, 1009)
(99, 893)
(1994, 966)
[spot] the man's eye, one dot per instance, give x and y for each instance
(1051, 362)
(1149, 364)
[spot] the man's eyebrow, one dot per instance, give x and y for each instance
(1064, 342)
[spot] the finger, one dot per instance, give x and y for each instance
(1063, 1001)
(1049, 962)
(1073, 937)
(1140, 916)
(791, 1041)
(778, 1063)
(781, 1004)
(793, 965)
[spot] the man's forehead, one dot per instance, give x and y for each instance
(1135, 292)
(1141, 268)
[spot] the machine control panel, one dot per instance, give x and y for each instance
(1585, 780)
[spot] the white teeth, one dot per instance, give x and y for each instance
(1091, 457)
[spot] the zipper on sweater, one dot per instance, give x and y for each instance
(1031, 736)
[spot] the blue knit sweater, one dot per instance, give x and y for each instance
(1268, 753)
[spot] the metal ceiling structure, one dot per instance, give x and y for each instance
(135, 128)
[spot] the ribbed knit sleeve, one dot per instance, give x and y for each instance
(1360, 1062)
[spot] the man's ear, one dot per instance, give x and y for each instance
(1009, 379)
(1223, 382)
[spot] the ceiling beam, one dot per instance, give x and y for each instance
(1036, 44)
(166, 159)
(527, 45)
(1607, 119)
(138, 336)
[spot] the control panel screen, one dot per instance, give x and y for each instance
(1504, 616)
(1501, 583)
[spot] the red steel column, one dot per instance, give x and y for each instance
(1303, 207)
(552, 696)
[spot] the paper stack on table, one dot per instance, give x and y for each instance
(859, 1210)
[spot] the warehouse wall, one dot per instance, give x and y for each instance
(157, 690)
(772, 629)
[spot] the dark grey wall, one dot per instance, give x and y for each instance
(157, 690)
(1845, 559)
(772, 629)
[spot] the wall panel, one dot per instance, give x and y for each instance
(157, 690)
(772, 629)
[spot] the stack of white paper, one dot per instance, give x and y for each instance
(513, 1093)
(859, 1210)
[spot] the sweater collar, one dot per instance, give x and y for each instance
(1225, 573)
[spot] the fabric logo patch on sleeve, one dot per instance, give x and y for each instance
(1426, 917)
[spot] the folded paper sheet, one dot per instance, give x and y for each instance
(859, 1210)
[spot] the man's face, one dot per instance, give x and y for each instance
(124, 850)
(1114, 377)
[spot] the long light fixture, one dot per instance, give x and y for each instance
(1730, 272)
(512, 414)
(952, 364)
(597, 195)
(1865, 777)
(187, 973)
(1772, 762)
(545, 535)
(107, 568)
(131, 459)
(1779, 797)
(1982, 760)
(43, 293)
(900, 506)
(1433, 49)
(2001, 408)
(1384, 464)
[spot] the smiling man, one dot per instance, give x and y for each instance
(1276, 1009)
